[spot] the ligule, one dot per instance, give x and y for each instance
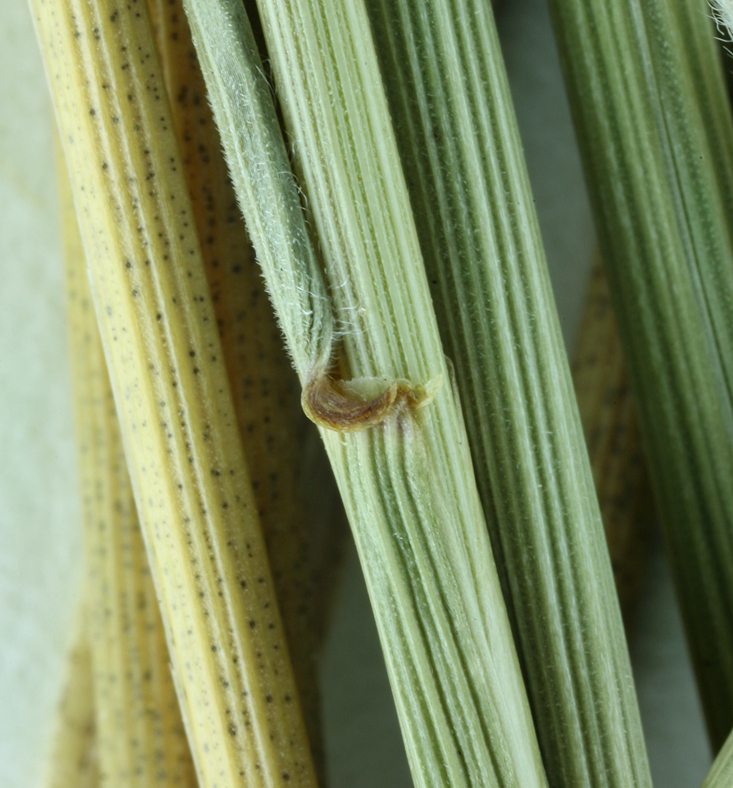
(183, 450)
(368, 334)
(659, 176)
(140, 736)
(612, 435)
(72, 761)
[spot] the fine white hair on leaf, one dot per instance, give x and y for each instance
(723, 16)
(275, 209)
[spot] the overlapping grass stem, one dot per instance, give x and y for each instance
(398, 232)
(183, 450)
(654, 129)
(375, 377)
(459, 144)
(140, 738)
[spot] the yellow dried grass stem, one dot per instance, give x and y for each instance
(265, 389)
(72, 760)
(183, 450)
(141, 739)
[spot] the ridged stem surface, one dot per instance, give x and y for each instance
(460, 148)
(183, 449)
(375, 378)
(663, 226)
(141, 740)
(264, 386)
(72, 760)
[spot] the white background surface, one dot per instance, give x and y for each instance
(39, 513)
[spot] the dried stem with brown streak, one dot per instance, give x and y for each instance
(609, 420)
(72, 760)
